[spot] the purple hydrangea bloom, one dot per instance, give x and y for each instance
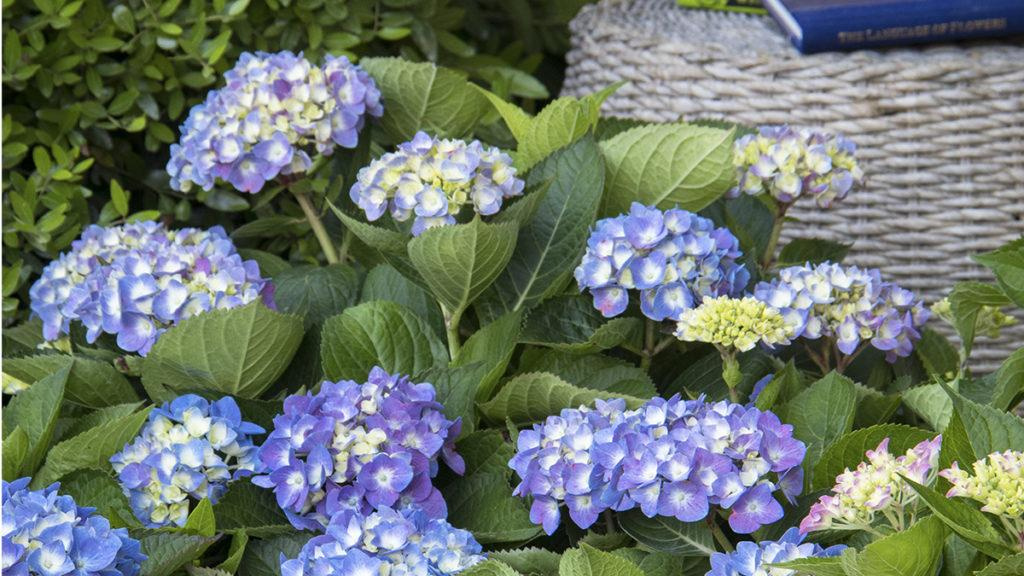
(753, 559)
(188, 450)
(385, 541)
(788, 163)
(47, 533)
(669, 458)
(136, 280)
(850, 305)
(371, 445)
(674, 258)
(273, 110)
(431, 179)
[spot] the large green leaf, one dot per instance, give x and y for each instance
(966, 301)
(939, 357)
(456, 388)
(1006, 566)
(822, 414)
(815, 566)
(201, 520)
(262, 557)
(589, 561)
(316, 292)
(248, 507)
(91, 449)
(550, 245)
(239, 352)
(704, 376)
(931, 404)
(385, 282)
(490, 567)
(595, 371)
(1007, 263)
(966, 520)
(988, 429)
(422, 96)
(101, 491)
(530, 560)
(90, 383)
(572, 324)
(1009, 381)
(15, 449)
(916, 551)
(390, 246)
(378, 333)
(35, 411)
(492, 345)
(666, 165)
(848, 451)
(537, 395)
(166, 552)
(667, 534)
(459, 262)
(784, 385)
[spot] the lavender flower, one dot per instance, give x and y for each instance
(875, 488)
(849, 305)
(188, 450)
(998, 485)
(674, 258)
(48, 534)
(430, 180)
(789, 163)
(137, 280)
(273, 109)
(385, 541)
(753, 559)
(669, 458)
(373, 445)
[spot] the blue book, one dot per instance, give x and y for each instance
(828, 25)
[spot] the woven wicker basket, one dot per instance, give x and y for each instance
(940, 131)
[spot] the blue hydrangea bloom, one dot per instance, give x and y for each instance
(188, 450)
(669, 458)
(850, 305)
(47, 534)
(365, 445)
(431, 179)
(136, 280)
(272, 111)
(674, 258)
(788, 163)
(753, 559)
(407, 542)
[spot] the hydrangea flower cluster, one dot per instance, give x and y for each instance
(753, 559)
(272, 109)
(189, 449)
(669, 458)
(847, 304)
(366, 445)
(431, 179)
(673, 257)
(138, 279)
(998, 484)
(791, 162)
(47, 533)
(385, 541)
(735, 324)
(875, 487)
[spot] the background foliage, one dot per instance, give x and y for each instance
(94, 92)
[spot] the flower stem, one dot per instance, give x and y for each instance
(317, 225)
(650, 327)
(609, 521)
(773, 240)
(451, 325)
(720, 536)
(731, 373)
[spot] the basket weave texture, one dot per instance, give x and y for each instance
(940, 130)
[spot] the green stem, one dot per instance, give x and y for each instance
(731, 373)
(649, 334)
(609, 521)
(317, 225)
(346, 244)
(451, 326)
(720, 536)
(773, 240)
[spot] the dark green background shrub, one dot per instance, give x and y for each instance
(94, 92)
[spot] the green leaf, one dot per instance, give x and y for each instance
(550, 245)
(492, 345)
(101, 491)
(248, 507)
(35, 411)
(589, 561)
(988, 429)
(384, 282)
(595, 371)
(201, 520)
(91, 449)
(916, 551)
(813, 566)
(529, 560)
(966, 301)
(571, 323)
(821, 414)
(667, 165)
(316, 292)
(270, 264)
(98, 417)
(938, 356)
(168, 551)
(422, 96)
(15, 449)
(848, 451)
(1007, 263)
(532, 397)
(240, 352)
(1009, 381)
(1005, 566)
(459, 262)
(667, 534)
(784, 385)
(90, 382)
(801, 251)
(873, 407)
(262, 557)
(119, 198)
(490, 567)
(931, 404)
(389, 245)
(705, 375)
(967, 521)
(456, 389)
(483, 504)
(235, 554)
(381, 334)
